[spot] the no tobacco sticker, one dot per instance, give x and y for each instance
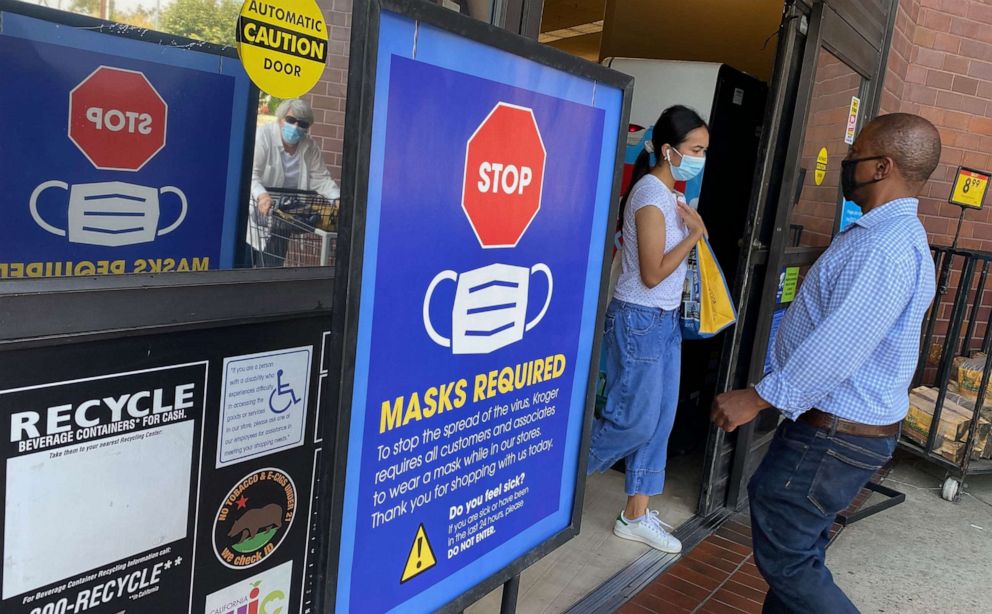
(254, 518)
(283, 45)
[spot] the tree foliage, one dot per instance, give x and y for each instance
(214, 21)
(139, 17)
(86, 7)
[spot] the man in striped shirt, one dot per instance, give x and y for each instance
(842, 365)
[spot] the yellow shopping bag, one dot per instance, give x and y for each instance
(707, 307)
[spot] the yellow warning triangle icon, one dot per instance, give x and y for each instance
(421, 556)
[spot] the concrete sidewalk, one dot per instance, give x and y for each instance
(925, 555)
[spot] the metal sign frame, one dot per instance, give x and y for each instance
(958, 176)
(358, 138)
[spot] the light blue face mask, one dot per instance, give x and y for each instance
(689, 168)
(291, 134)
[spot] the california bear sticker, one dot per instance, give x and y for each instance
(254, 518)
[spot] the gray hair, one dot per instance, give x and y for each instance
(296, 107)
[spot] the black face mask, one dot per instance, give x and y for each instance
(848, 184)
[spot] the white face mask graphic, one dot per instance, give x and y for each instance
(490, 307)
(110, 214)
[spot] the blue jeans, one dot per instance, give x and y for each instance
(808, 477)
(643, 358)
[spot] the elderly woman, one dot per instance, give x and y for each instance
(285, 158)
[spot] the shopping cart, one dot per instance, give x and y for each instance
(300, 229)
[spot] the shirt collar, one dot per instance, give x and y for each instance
(900, 207)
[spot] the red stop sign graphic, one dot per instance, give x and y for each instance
(117, 119)
(504, 175)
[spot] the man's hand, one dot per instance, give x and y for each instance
(737, 407)
(264, 203)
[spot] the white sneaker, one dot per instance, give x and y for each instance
(648, 530)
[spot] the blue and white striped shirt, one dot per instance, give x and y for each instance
(849, 343)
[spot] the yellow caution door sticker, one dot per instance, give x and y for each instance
(282, 45)
(821, 166)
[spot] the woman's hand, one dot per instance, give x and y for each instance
(692, 220)
(264, 203)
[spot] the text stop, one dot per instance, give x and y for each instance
(508, 178)
(116, 120)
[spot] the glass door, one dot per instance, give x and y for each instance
(836, 89)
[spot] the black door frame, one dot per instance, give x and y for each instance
(719, 451)
(521, 17)
(836, 27)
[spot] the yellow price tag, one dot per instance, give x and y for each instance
(283, 45)
(970, 187)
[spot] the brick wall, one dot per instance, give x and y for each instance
(900, 53)
(940, 67)
(816, 210)
(329, 95)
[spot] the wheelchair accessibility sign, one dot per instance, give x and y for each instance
(282, 397)
(263, 404)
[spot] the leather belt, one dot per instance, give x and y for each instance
(823, 420)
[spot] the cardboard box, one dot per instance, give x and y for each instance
(956, 366)
(961, 406)
(954, 394)
(954, 411)
(914, 434)
(953, 426)
(970, 373)
(953, 451)
(953, 402)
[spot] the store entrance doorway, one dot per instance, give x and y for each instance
(824, 54)
(839, 87)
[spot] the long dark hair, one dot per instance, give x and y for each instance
(672, 128)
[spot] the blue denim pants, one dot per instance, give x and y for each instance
(643, 362)
(808, 477)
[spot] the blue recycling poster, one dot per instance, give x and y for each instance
(489, 193)
(118, 155)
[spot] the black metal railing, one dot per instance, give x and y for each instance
(962, 278)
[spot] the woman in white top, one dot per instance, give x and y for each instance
(285, 158)
(643, 333)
